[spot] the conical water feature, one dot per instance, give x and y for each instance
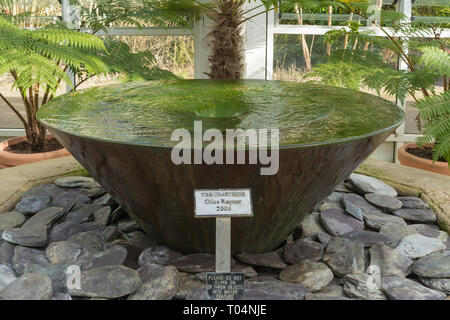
(122, 135)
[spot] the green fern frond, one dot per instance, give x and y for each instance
(435, 106)
(435, 112)
(442, 148)
(435, 58)
(68, 37)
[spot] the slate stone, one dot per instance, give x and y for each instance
(442, 285)
(376, 221)
(397, 232)
(117, 214)
(105, 200)
(102, 215)
(93, 192)
(383, 201)
(69, 200)
(344, 256)
(315, 296)
(84, 213)
(139, 240)
(33, 204)
(341, 187)
(368, 238)
(416, 215)
(56, 272)
(311, 225)
(6, 253)
(337, 222)
(197, 262)
(30, 286)
(335, 197)
(108, 282)
(92, 226)
(262, 288)
(435, 265)
(61, 296)
(92, 241)
(29, 237)
(324, 238)
(7, 276)
(133, 252)
(399, 288)
(313, 275)
(10, 220)
(360, 286)
(357, 206)
(63, 231)
(48, 189)
(248, 271)
(413, 203)
(162, 284)
(302, 249)
(128, 225)
(161, 255)
(330, 205)
(114, 255)
(111, 233)
(417, 246)
(331, 292)
(431, 231)
(269, 259)
(390, 261)
(24, 256)
(365, 184)
(64, 252)
(44, 218)
(76, 182)
(146, 271)
(188, 284)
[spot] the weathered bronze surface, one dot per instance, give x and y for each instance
(159, 194)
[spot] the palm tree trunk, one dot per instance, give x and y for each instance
(227, 40)
(306, 51)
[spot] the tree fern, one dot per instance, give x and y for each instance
(435, 112)
(37, 60)
(435, 59)
(427, 61)
(132, 66)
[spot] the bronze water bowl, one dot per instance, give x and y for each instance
(121, 135)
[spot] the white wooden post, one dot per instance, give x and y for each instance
(255, 43)
(223, 244)
(405, 7)
(67, 17)
(202, 49)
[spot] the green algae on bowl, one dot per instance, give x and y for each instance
(146, 113)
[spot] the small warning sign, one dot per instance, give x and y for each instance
(225, 285)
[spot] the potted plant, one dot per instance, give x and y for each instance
(37, 60)
(428, 64)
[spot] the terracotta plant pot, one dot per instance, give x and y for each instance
(10, 159)
(410, 160)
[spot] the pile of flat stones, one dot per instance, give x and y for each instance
(363, 242)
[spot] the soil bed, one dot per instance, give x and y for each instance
(424, 152)
(24, 148)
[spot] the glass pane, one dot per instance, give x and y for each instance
(295, 54)
(172, 53)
